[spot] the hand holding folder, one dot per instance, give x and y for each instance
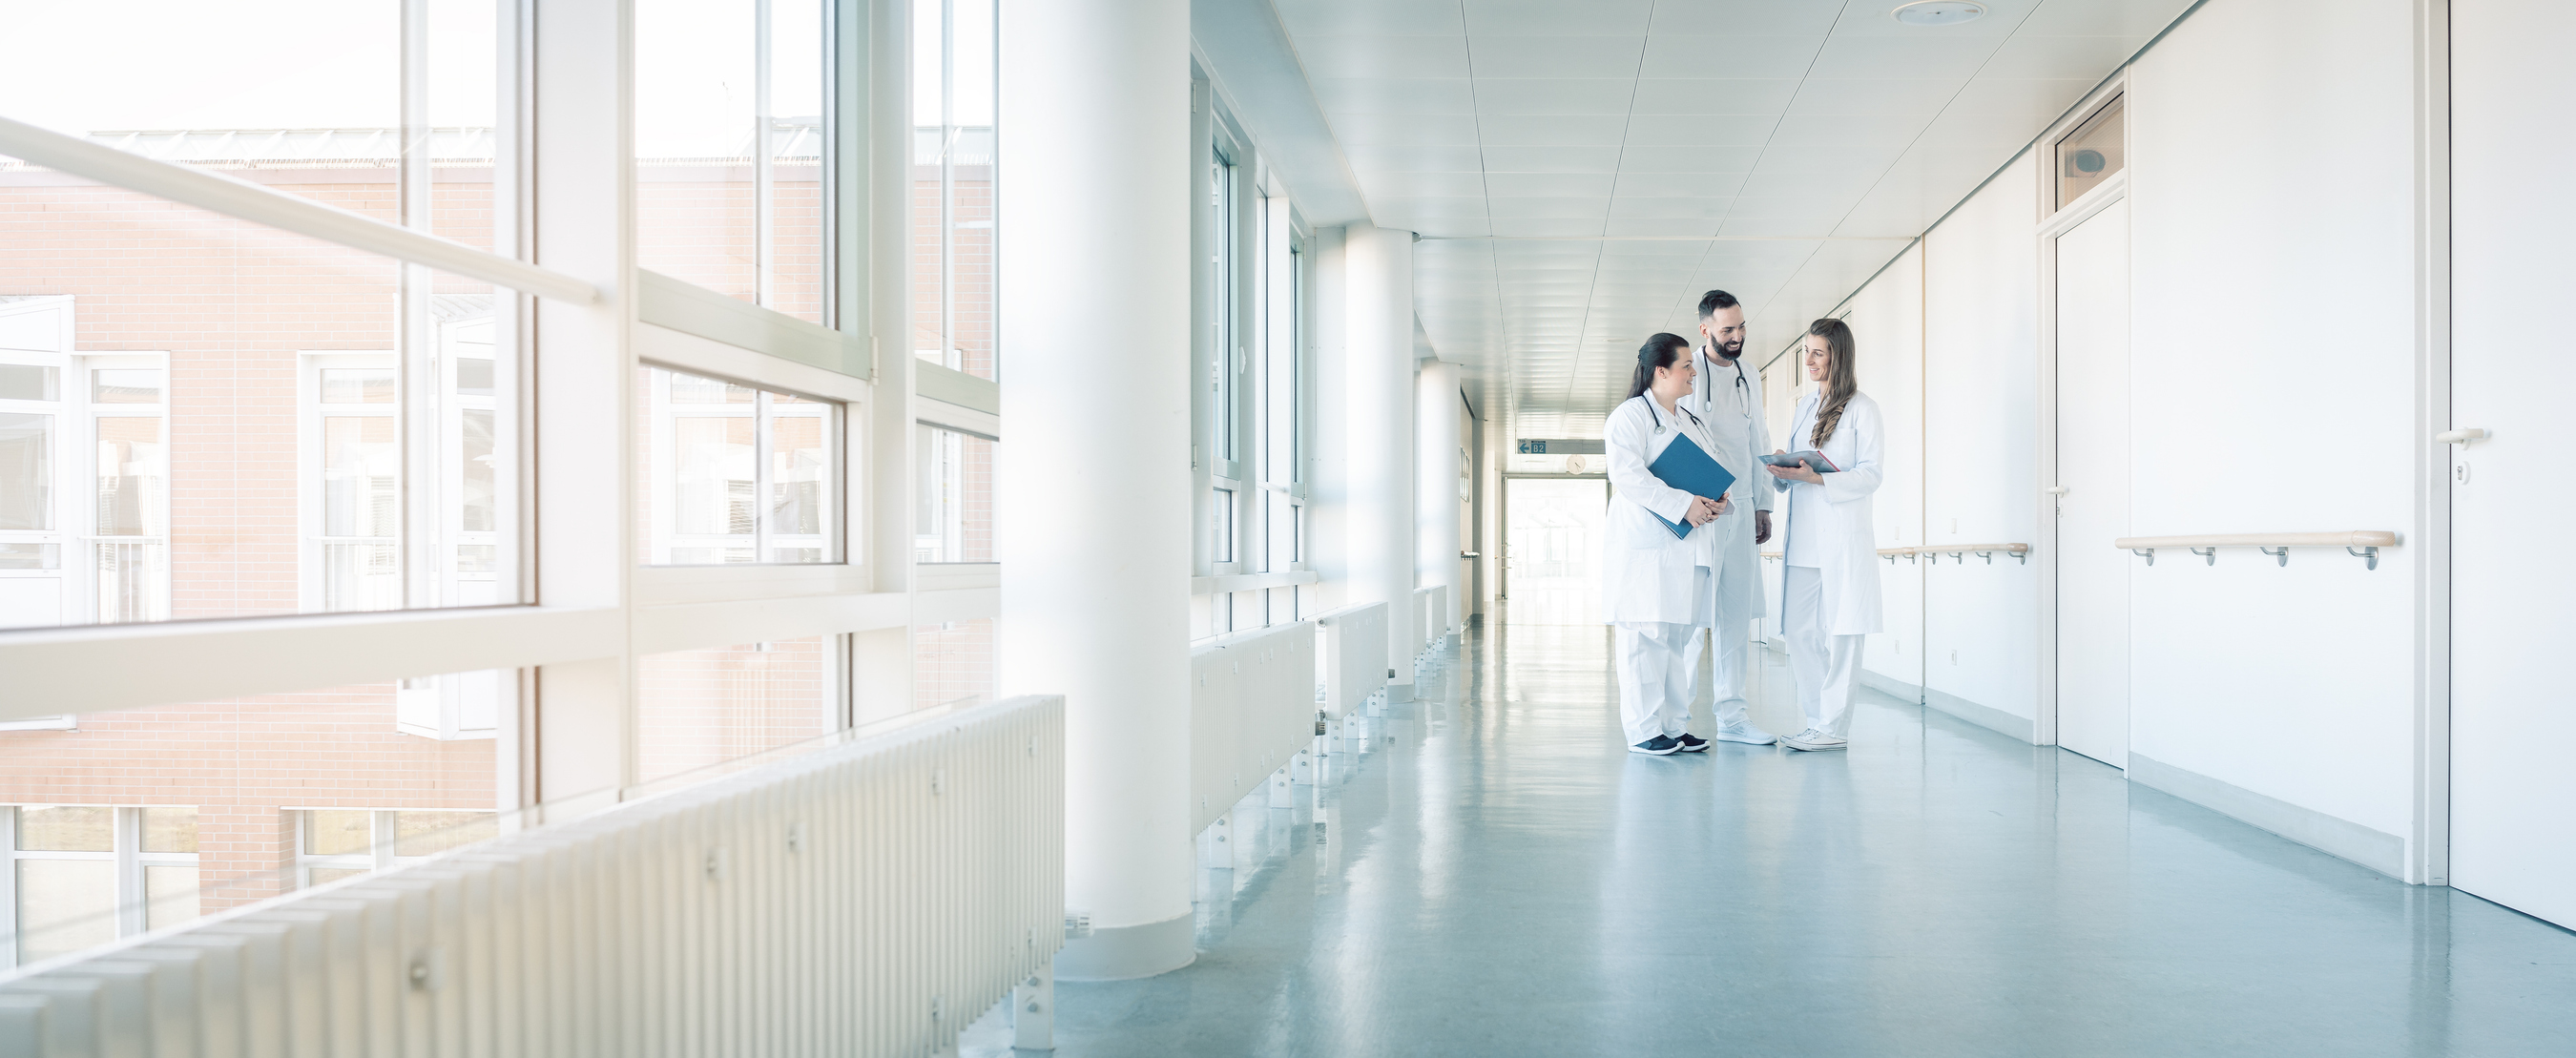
(1686, 466)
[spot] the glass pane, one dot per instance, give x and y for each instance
(170, 830)
(137, 385)
(26, 471)
(169, 894)
(16, 555)
(954, 522)
(731, 474)
(132, 477)
(67, 828)
(430, 833)
(64, 906)
(703, 707)
(303, 96)
(29, 382)
(322, 875)
(338, 832)
(730, 145)
(953, 137)
(952, 662)
(2091, 154)
(258, 471)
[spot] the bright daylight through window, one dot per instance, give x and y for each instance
(730, 474)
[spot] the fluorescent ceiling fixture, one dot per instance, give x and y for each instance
(1939, 12)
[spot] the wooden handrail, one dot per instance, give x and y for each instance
(2363, 544)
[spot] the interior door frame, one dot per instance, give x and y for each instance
(2053, 223)
(2428, 855)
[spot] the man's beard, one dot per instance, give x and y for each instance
(1726, 350)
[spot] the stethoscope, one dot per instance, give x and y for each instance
(1659, 419)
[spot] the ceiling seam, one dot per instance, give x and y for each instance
(1971, 79)
(1600, 251)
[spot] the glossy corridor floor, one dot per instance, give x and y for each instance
(1497, 876)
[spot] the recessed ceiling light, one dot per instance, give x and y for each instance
(1939, 12)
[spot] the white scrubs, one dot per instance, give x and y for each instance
(1829, 589)
(1728, 399)
(1654, 585)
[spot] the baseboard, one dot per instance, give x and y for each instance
(1985, 716)
(2377, 850)
(1122, 953)
(1886, 684)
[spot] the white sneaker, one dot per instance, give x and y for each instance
(1743, 731)
(1812, 739)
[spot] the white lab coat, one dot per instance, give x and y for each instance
(1646, 571)
(1728, 399)
(1847, 530)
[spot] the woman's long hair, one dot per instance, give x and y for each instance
(1659, 351)
(1839, 384)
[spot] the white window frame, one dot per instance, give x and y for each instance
(312, 544)
(381, 834)
(132, 896)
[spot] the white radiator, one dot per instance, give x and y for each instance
(1430, 620)
(1252, 709)
(1354, 648)
(870, 898)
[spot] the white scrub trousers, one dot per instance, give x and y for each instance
(1659, 669)
(1730, 634)
(1823, 665)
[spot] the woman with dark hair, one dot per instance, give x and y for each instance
(1829, 577)
(1655, 585)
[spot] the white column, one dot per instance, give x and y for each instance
(1436, 563)
(1379, 265)
(1093, 525)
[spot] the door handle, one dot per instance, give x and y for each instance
(2460, 437)
(2055, 490)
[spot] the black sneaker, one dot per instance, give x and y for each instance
(1691, 743)
(1660, 745)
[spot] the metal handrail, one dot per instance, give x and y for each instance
(2363, 544)
(1957, 551)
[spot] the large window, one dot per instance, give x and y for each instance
(737, 474)
(84, 875)
(731, 148)
(702, 708)
(953, 139)
(84, 476)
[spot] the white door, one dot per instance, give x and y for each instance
(2093, 468)
(1553, 548)
(2513, 712)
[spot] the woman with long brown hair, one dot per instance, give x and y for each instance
(1829, 580)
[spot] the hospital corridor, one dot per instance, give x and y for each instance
(1286, 528)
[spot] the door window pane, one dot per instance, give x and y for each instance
(68, 828)
(730, 145)
(170, 895)
(64, 906)
(26, 471)
(169, 830)
(125, 386)
(699, 708)
(733, 474)
(2092, 153)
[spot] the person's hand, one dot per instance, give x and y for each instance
(1702, 511)
(1795, 472)
(1725, 503)
(1761, 527)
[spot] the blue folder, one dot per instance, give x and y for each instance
(1686, 466)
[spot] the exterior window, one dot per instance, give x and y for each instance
(84, 476)
(952, 164)
(954, 522)
(336, 843)
(953, 663)
(697, 709)
(351, 483)
(736, 474)
(1225, 337)
(85, 875)
(2092, 153)
(731, 148)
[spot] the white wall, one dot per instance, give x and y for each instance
(2272, 195)
(2271, 161)
(1886, 319)
(1328, 482)
(1981, 423)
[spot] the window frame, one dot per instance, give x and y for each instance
(131, 901)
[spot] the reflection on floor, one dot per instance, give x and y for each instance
(1497, 876)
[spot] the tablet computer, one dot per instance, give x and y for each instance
(1815, 461)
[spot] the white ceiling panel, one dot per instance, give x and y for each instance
(1554, 159)
(1375, 56)
(1555, 18)
(1554, 95)
(1500, 56)
(1527, 130)
(1319, 18)
(1582, 171)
